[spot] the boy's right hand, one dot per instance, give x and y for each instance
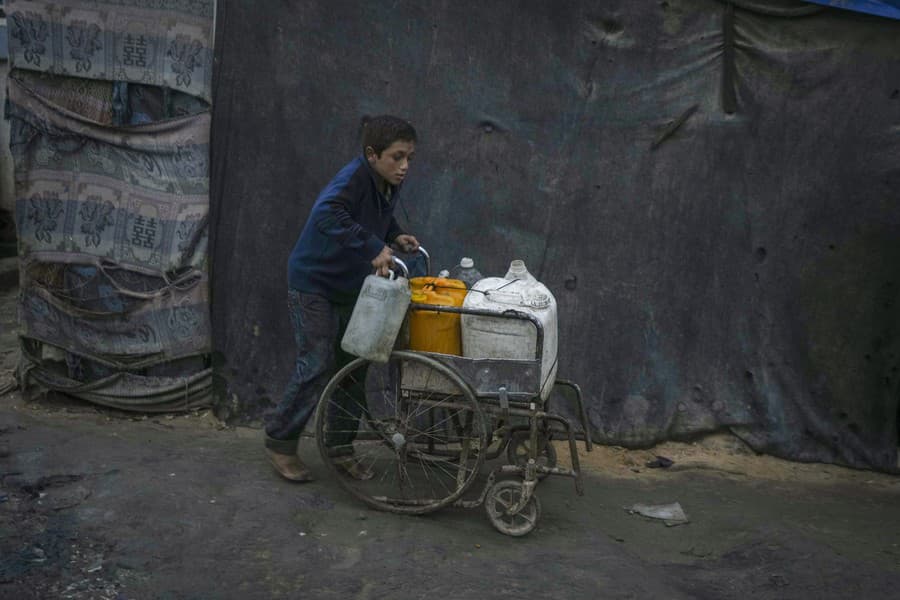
(383, 262)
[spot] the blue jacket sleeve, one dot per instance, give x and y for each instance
(332, 218)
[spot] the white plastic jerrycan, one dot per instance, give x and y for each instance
(489, 337)
(377, 317)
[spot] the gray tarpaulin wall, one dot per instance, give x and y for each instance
(708, 188)
(109, 118)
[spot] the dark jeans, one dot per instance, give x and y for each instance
(319, 326)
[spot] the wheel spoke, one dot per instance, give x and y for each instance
(424, 453)
(506, 505)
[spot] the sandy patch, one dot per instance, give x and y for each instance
(722, 453)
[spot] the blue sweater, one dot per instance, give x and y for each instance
(349, 225)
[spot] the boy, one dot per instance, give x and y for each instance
(345, 237)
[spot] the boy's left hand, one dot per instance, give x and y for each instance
(407, 242)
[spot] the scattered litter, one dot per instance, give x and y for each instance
(478, 545)
(671, 514)
(96, 566)
(660, 462)
(302, 533)
(212, 501)
(171, 474)
(363, 532)
(37, 555)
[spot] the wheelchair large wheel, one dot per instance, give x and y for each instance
(405, 436)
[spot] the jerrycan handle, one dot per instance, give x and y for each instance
(402, 266)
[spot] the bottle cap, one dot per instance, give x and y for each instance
(517, 267)
(538, 300)
(466, 263)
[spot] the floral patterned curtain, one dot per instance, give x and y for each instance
(109, 110)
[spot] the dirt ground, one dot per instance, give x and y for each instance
(99, 504)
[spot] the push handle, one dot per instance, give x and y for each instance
(427, 260)
(405, 269)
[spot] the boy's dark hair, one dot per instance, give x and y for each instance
(382, 131)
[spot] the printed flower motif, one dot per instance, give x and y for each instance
(31, 30)
(189, 162)
(183, 322)
(184, 232)
(44, 213)
(84, 41)
(185, 55)
(142, 335)
(96, 216)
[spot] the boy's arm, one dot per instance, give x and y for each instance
(332, 218)
(405, 241)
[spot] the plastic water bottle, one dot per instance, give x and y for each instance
(466, 272)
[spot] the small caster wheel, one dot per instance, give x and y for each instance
(518, 451)
(502, 496)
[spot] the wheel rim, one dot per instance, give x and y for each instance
(502, 496)
(421, 441)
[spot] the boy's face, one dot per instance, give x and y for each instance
(393, 163)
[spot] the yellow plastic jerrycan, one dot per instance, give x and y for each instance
(431, 331)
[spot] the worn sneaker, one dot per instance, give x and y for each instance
(354, 468)
(289, 466)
